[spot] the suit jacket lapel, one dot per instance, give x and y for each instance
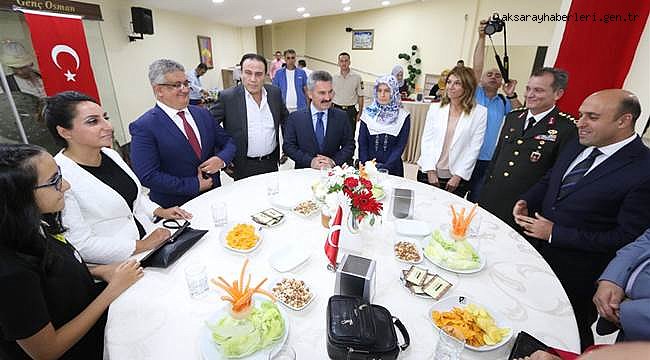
(169, 124)
(547, 123)
(244, 117)
(618, 160)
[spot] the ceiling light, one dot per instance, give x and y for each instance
(306, 15)
(300, 9)
(257, 17)
(385, 3)
(347, 8)
(268, 21)
(217, 1)
(345, 1)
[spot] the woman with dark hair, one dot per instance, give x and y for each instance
(106, 212)
(453, 134)
(50, 307)
(384, 128)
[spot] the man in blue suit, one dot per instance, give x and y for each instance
(319, 136)
(623, 295)
(593, 201)
(177, 150)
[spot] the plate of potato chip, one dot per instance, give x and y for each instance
(241, 237)
(463, 318)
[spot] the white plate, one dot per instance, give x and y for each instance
(417, 246)
(425, 243)
(312, 213)
(230, 226)
(450, 302)
(210, 350)
(412, 227)
(284, 201)
(278, 280)
(289, 257)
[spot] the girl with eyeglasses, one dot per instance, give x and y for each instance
(107, 213)
(50, 306)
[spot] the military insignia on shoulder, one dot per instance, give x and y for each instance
(568, 117)
(552, 132)
(519, 109)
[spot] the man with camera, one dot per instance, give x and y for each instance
(498, 106)
(531, 137)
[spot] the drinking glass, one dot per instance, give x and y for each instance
(448, 348)
(219, 214)
(197, 279)
(286, 352)
(475, 225)
(273, 185)
(382, 177)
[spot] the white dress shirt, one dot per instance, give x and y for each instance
(173, 114)
(537, 117)
(607, 151)
(292, 98)
(261, 128)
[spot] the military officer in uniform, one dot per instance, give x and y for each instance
(530, 140)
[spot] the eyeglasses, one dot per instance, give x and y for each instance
(290, 57)
(178, 85)
(57, 181)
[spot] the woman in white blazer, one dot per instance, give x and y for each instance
(453, 134)
(106, 213)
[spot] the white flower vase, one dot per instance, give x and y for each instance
(351, 240)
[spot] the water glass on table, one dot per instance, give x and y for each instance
(219, 214)
(382, 177)
(197, 279)
(448, 348)
(273, 185)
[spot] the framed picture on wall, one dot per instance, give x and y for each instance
(205, 50)
(363, 39)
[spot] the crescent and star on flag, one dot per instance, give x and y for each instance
(59, 49)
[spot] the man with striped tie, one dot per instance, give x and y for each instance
(595, 199)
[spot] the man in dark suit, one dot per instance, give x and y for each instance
(593, 201)
(319, 136)
(252, 113)
(177, 150)
(530, 140)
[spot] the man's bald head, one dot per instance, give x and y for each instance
(608, 116)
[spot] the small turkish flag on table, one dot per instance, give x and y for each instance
(60, 45)
(332, 242)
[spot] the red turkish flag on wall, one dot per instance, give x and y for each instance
(60, 45)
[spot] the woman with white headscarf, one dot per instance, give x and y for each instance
(384, 128)
(398, 73)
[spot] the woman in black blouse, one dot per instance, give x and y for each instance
(107, 213)
(50, 307)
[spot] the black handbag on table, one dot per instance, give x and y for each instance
(169, 251)
(357, 330)
(525, 345)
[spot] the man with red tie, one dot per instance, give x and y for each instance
(177, 149)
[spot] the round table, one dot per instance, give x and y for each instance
(157, 319)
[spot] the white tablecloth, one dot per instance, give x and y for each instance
(157, 319)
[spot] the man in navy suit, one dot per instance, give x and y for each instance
(593, 201)
(623, 295)
(319, 136)
(177, 150)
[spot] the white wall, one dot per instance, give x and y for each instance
(444, 31)
(174, 38)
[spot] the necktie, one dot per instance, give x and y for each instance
(191, 136)
(577, 173)
(320, 130)
(529, 124)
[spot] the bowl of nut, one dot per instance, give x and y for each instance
(292, 293)
(306, 208)
(407, 251)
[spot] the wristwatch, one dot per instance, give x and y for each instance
(513, 96)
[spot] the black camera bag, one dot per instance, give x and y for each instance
(357, 330)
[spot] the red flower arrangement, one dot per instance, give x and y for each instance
(362, 202)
